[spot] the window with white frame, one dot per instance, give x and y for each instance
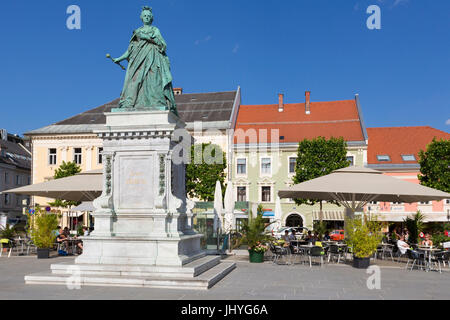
(266, 164)
(17, 180)
(77, 155)
(6, 178)
(266, 194)
(292, 164)
(242, 166)
(52, 157)
(241, 194)
(100, 156)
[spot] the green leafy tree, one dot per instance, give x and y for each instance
(435, 165)
(363, 235)
(66, 169)
(207, 166)
(42, 228)
(415, 226)
(319, 157)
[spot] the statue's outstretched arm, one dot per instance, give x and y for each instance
(126, 55)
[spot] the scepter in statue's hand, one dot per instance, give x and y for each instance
(109, 57)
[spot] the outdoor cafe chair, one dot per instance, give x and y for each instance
(441, 257)
(278, 253)
(415, 257)
(5, 243)
(436, 259)
(316, 252)
(379, 252)
(335, 251)
(31, 247)
(388, 250)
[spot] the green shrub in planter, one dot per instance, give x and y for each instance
(42, 228)
(8, 232)
(364, 236)
(254, 234)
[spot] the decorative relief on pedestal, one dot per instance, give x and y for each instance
(162, 175)
(105, 200)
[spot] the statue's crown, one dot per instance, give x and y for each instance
(144, 8)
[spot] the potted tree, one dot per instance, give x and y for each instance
(414, 226)
(364, 236)
(42, 231)
(254, 235)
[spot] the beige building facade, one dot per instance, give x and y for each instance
(208, 116)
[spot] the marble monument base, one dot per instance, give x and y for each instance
(200, 274)
(143, 233)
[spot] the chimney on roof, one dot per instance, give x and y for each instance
(308, 102)
(280, 102)
(177, 91)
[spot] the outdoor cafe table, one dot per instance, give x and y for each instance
(428, 254)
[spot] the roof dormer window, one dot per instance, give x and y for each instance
(408, 157)
(383, 158)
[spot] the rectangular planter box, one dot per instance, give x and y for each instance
(43, 253)
(361, 263)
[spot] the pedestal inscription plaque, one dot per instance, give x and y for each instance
(136, 184)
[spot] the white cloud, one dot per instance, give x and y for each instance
(206, 39)
(397, 2)
(448, 122)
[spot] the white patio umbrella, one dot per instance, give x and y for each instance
(85, 186)
(229, 212)
(355, 187)
(229, 208)
(218, 207)
(278, 214)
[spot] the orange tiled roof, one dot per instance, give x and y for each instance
(399, 141)
(327, 119)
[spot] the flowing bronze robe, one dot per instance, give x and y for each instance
(148, 82)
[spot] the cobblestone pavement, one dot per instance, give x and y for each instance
(248, 281)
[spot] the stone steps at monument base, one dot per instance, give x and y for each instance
(192, 269)
(203, 282)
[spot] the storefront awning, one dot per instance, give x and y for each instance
(329, 216)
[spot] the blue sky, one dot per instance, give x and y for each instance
(402, 72)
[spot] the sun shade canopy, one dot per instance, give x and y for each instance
(361, 185)
(85, 186)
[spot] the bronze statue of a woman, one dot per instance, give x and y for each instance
(148, 82)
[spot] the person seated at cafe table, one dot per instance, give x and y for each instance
(427, 241)
(310, 237)
(326, 236)
(66, 232)
(402, 245)
(287, 240)
(60, 237)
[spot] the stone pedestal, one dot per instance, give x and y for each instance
(142, 219)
